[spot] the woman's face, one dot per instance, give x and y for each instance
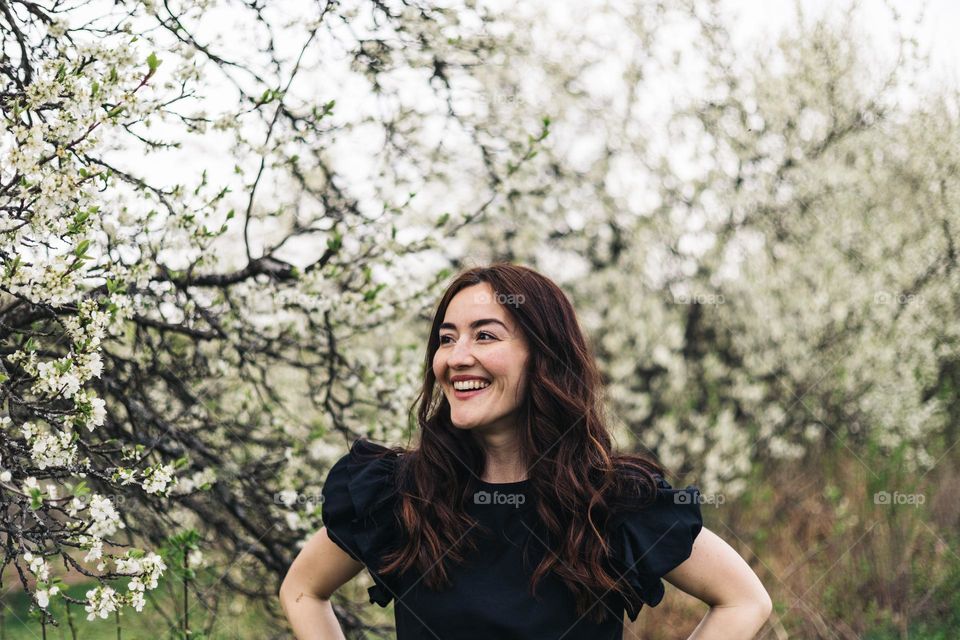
(479, 339)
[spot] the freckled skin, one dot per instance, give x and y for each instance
(495, 352)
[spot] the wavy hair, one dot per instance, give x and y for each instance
(575, 477)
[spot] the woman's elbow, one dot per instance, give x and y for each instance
(753, 610)
(764, 607)
(293, 591)
(285, 585)
(284, 595)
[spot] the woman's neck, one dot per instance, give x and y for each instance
(502, 460)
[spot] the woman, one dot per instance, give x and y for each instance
(513, 518)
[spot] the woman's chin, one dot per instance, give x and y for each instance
(464, 423)
(468, 422)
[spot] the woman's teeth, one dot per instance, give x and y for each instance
(469, 385)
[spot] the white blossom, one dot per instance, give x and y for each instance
(157, 478)
(103, 601)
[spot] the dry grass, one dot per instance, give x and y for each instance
(837, 565)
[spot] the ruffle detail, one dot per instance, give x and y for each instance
(653, 540)
(359, 496)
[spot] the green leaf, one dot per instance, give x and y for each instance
(81, 489)
(371, 294)
(334, 243)
(153, 62)
(13, 266)
(115, 286)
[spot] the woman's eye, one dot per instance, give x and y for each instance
(482, 333)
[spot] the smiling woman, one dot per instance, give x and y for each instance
(479, 364)
(513, 517)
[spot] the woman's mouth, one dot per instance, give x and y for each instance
(466, 395)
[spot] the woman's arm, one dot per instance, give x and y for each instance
(319, 569)
(716, 574)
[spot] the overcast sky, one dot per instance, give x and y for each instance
(937, 31)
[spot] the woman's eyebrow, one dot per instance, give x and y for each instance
(475, 324)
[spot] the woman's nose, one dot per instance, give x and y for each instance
(462, 352)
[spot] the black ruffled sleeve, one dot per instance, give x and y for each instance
(651, 541)
(359, 496)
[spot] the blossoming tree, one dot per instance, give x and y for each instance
(192, 234)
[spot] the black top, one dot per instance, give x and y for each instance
(490, 596)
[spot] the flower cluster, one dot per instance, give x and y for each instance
(38, 566)
(147, 569)
(103, 600)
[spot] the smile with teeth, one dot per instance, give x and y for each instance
(470, 385)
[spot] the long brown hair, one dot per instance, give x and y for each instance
(574, 475)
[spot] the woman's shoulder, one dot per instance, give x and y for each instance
(360, 480)
(358, 500)
(652, 532)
